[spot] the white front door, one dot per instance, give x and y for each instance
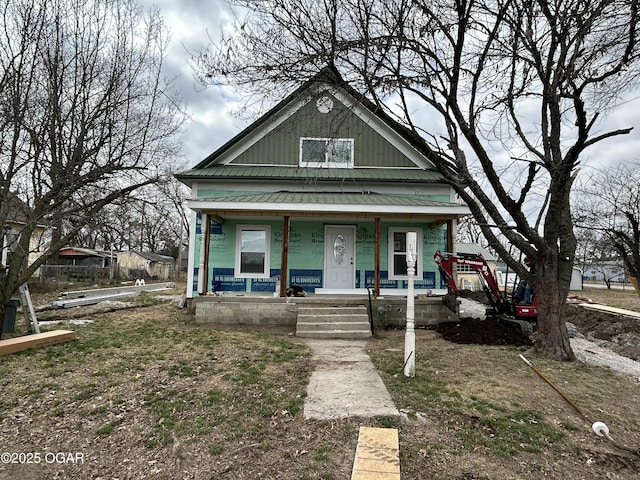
(339, 257)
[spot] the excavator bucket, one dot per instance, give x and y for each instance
(450, 300)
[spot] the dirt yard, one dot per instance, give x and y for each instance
(146, 394)
(618, 333)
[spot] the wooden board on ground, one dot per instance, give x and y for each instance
(614, 310)
(377, 455)
(18, 344)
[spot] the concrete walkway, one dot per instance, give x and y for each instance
(345, 382)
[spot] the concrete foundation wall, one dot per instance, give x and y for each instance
(393, 312)
(245, 311)
(264, 311)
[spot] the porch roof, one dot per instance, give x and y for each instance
(271, 172)
(317, 203)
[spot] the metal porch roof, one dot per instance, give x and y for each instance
(296, 173)
(329, 201)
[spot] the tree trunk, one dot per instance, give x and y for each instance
(3, 305)
(636, 286)
(551, 338)
(5, 297)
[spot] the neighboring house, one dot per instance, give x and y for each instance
(605, 270)
(86, 257)
(134, 264)
(19, 216)
(319, 193)
(80, 264)
(467, 279)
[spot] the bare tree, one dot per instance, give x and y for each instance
(609, 204)
(154, 219)
(87, 116)
(595, 255)
(161, 215)
(469, 231)
(502, 94)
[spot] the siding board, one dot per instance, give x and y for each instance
(281, 146)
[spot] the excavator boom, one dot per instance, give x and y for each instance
(507, 307)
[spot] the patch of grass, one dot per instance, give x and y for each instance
(183, 369)
(508, 435)
(569, 426)
(147, 299)
(500, 428)
(251, 391)
(281, 351)
(216, 449)
(86, 392)
(247, 373)
(108, 428)
(321, 454)
(99, 410)
(57, 412)
(201, 426)
(166, 405)
(35, 392)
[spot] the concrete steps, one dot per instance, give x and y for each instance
(346, 322)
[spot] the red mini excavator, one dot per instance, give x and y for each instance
(518, 308)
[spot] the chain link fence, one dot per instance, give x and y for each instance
(55, 276)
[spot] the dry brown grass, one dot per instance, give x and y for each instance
(146, 393)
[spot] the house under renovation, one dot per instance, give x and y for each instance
(311, 203)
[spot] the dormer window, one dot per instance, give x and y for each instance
(326, 152)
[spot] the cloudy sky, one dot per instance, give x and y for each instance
(211, 121)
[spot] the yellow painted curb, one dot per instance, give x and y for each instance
(377, 455)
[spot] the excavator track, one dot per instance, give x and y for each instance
(526, 327)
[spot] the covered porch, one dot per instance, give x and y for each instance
(329, 244)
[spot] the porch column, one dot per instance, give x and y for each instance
(376, 259)
(207, 243)
(202, 263)
(284, 261)
(449, 235)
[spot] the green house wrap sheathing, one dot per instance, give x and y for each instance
(307, 249)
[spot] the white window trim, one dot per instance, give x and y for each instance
(391, 232)
(267, 254)
(464, 268)
(326, 164)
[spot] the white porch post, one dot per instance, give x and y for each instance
(204, 224)
(410, 336)
(191, 261)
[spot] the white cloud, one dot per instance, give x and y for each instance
(211, 123)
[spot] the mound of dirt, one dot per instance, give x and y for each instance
(617, 332)
(482, 332)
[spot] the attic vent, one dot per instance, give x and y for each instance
(324, 104)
